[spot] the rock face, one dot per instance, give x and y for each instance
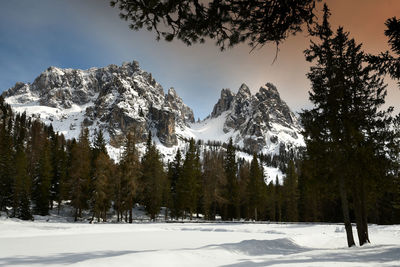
(118, 99)
(125, 99)
(258, 121)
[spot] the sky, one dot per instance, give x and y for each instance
(88, 33)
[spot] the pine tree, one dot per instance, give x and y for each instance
(344, 132)
(243, 177)
(80, 173)
(152, 179)
(271, 201)
(291, 193)
(233, 196)
(174, 175)
(278, 200)
(214, 183)
(43, 183)
(255, 188)
(6, 159)
(22, 187)
(102, 191)
(188, 187)
(130, 172)
(98, 148)
(59, 167)
(99, 145)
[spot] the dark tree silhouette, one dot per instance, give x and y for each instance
(346, 132)
(387, 63)
(229, 22)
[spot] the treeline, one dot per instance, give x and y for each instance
(38, 168)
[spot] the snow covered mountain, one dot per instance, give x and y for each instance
(122, 99)
(260, 122)
(118, 99)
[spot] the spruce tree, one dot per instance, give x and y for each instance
(345, 130)
(278, 200)
(188, 187)
(6, 161)
(99, 144)
(291, 193)
(255, 188)
(130, 172)
(152, 179)
(102, 191)
(80, 173)
(22, 187)
(213, 183)
(232, 196)
(174, 176)
(43, 184)
(243, 177)
(59, 167)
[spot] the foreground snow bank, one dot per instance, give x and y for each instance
(190, 244)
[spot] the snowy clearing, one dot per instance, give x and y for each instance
(43, 243)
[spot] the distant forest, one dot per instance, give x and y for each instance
(39, 170)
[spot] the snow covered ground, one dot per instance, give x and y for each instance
(42, 243)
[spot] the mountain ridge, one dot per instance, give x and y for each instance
(122, 99)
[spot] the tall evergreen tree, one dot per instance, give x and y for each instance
(344, 130)
(102, 191)
(291, 193)
(278, 200)
(255, 188)
(59, 167)
(213, 183)
(99, 144)
(232, 194)
(22, 187)
(6, 157)
(174, 176)
(80, 173)
(43, 183)
(188, 187)
(130, 172)
(152, 179)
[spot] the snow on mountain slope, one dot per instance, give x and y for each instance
(123, 99)
(260, 122)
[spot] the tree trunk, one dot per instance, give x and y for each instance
(255, 213)
(361, 218)
(346, 214)
(130, 215)
(91, 220)
(76, 215)
(58, 207)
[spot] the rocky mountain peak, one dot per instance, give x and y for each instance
(118, 99)
(184, 114)
(124, 99)
(244, 91)
(172, 93)
(269, 91)
(258, 121)
(224, 103)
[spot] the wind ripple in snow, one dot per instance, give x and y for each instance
(273, 232)
(280, 246)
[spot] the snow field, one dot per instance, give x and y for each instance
(43, 243)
